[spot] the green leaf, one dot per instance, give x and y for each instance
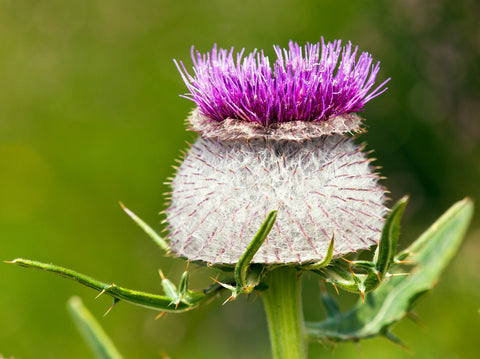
(385, 253)
(243, 264)
(394, 298)
(326, 261)
(92, 332)
(147, 229)
(147, 300)
(170, 289)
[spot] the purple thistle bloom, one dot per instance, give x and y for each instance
(302, 86)
(274, 138)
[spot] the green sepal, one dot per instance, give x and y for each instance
(170, 290)
(394, 298)
(245, 278)
(387, 247)
(363, 264)
(326, 261)
(183, 285)
(340, 276)
(143, 299)
(183, 293)
(187, 295)
(365, 276)
(147, 229)
(91, 331)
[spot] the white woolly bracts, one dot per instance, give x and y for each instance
(321, 187)
(234, 129)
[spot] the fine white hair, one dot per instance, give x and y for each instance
(323, 187)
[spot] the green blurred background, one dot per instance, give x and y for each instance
(90, 114)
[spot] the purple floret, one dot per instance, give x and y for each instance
(305, 84)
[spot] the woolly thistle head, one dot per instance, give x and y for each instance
(274, 139)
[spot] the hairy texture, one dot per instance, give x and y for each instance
(233, 129)
(223, 192)
(305, 84)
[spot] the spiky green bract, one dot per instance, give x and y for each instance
(91, 331)
(365, 276)
(147, 300)
(387, 247)
(247, 276)
(394, 298)
(243, 265)
(147, 229)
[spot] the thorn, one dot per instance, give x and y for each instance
(160, 315)
(387, 334)
(216, 281)
(104, 290)
(11, 262)
(229, 299)
(115, 301)
(359, 348)
(362, 293)
(99, 294)
(336, 289)
(405, 261)
(348, 261)
(226, 286)
(161, 274)
(416, 319)
(351, 270)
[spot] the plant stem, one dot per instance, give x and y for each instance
(283, 305)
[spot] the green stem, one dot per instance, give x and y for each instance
(283, 305)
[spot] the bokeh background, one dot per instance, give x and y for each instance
(90, 114)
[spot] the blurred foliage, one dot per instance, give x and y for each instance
(90, 115)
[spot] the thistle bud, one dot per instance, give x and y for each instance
(276, 138)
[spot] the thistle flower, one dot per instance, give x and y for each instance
(274, 155)
(300, 87)
(275, 138)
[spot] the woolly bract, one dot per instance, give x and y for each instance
(223, 192)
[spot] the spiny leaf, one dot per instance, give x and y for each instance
(373, 272)
(393, 299)
(148, 300)
(92, 332)
(243, 264)
(325, 261)
(148, 230)
(170, 289)
(385, 253)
